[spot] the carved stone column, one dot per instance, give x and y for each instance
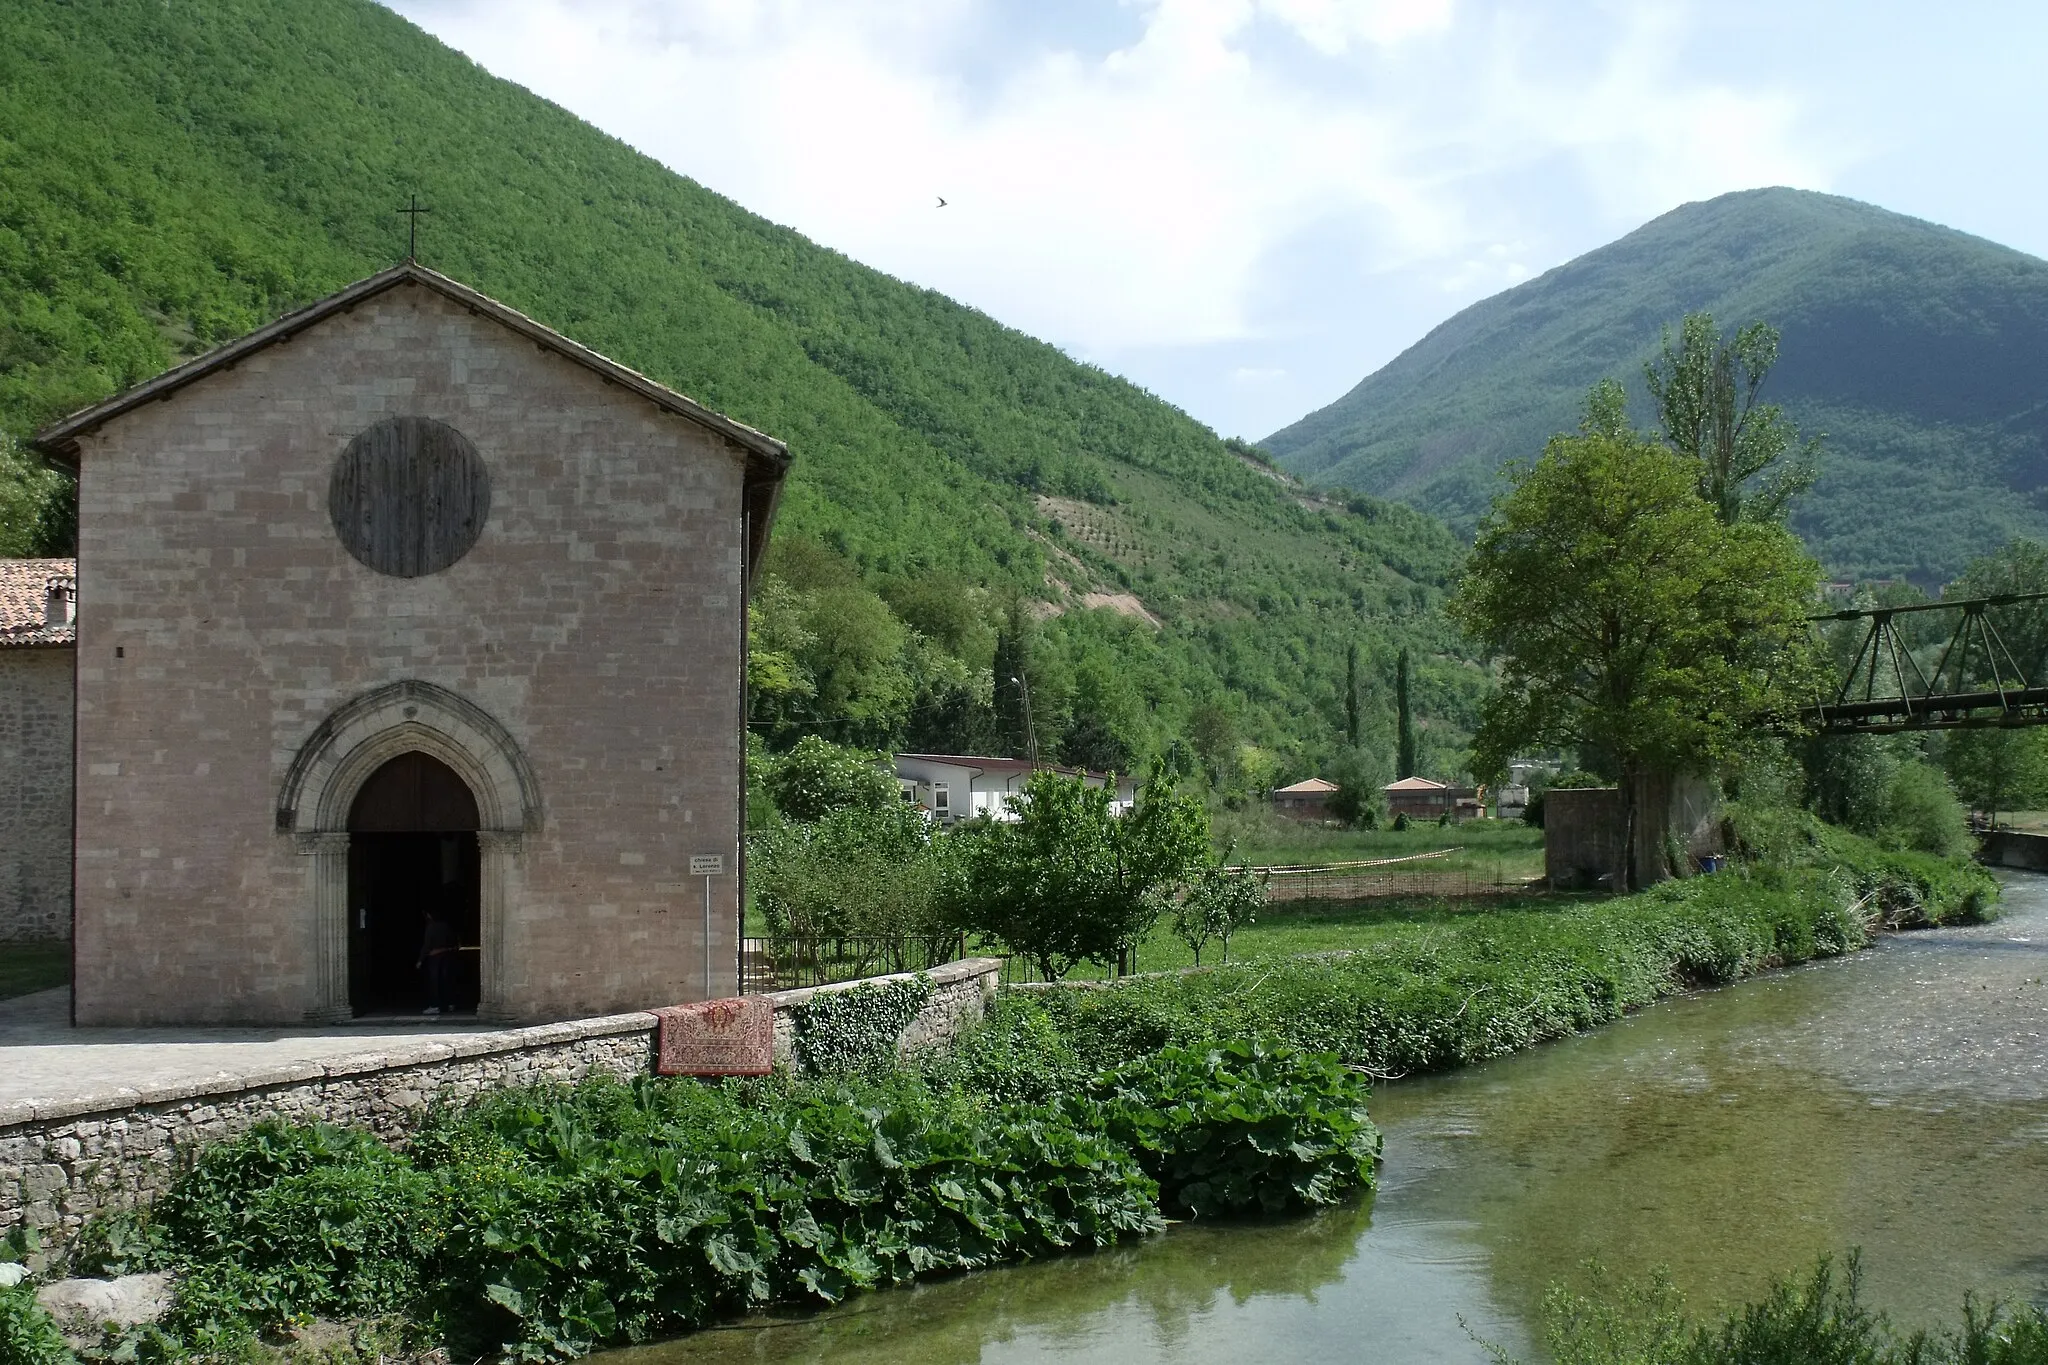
(498, 868)
(328, 873)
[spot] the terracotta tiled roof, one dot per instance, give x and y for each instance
(1415, 784)
(25, 601)
(1312, 786)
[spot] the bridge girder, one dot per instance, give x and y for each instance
(1897, 694)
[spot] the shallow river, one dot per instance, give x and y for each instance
(1896, 1100)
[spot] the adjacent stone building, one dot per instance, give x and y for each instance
(407, 604)
(38, 602)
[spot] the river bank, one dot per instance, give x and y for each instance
(1894, 1099)
(1492, 985)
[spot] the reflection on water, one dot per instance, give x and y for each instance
(1897, 1100)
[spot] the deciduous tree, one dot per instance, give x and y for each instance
(819, 777)
(1070, 880)
(1404, 721)
(1998, 770)
(1705, 390)
(1628, 618)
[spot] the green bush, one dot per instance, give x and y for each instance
(862, 872)
(540, 1224)
(1486, 985)
(1900, 887)
(1242, 1127)
(1819, 1320)
(1923, 814)
(27, 1334)
(818, 777)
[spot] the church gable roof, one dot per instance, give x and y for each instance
(768, 458)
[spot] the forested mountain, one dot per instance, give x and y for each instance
(172, 175)
(1917, 350)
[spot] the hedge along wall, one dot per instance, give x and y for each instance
(61, 1162)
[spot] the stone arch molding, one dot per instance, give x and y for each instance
(402, 717)
(331, 767)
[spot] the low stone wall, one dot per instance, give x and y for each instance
(60, 1162)
(2012, 848)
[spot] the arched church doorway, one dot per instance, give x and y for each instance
(413, 890)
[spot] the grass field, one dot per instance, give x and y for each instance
(1293, 928)
(29, 967)
(1260, 838)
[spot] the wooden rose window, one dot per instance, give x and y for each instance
(409, 496)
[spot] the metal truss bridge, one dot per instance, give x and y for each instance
(1975, 680)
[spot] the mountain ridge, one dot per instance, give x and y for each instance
(172, 177)
(1906, 342)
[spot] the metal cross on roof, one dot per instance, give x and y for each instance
(412, 230)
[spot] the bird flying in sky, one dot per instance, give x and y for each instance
(942, 201)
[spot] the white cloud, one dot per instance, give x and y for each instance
(1332, 26)
(1117, 193)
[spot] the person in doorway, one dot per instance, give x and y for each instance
(438, 947)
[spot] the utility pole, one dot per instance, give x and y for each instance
(1030, 730)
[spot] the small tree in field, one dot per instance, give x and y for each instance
(1998, 770)
(1219, 901)
(1070, 881)
(1629, 619)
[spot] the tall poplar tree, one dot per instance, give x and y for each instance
(1351, 694)
(1011, 669)
(1404, 754)
(1705, 389)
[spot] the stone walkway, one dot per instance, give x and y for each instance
(45, 1062)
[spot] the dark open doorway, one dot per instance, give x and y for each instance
(412, 850)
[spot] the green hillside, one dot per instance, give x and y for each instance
(172, 175)
(1916, 349)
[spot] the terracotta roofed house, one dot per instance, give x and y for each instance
(1422, 798)
(38, 626)
(1308, 799)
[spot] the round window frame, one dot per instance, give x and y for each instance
(387, 489)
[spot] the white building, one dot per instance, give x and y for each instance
(955, 787)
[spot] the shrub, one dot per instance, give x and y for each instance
(1923, 814)
(539, 1224)
(818, 777)
(28, 1336)
(1819, 1320)
(1242, 1126)
(861, 872)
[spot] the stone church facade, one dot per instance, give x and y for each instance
(405, 606)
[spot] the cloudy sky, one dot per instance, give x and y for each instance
(1248, 205)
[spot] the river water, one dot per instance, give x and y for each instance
(1896, 1100)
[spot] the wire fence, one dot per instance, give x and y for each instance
(1411, 875)
(786, 962)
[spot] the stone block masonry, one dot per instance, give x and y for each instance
(35, 792)
(63, 1160)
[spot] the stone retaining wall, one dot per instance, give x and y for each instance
(60, 1162)
(2013, 848)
